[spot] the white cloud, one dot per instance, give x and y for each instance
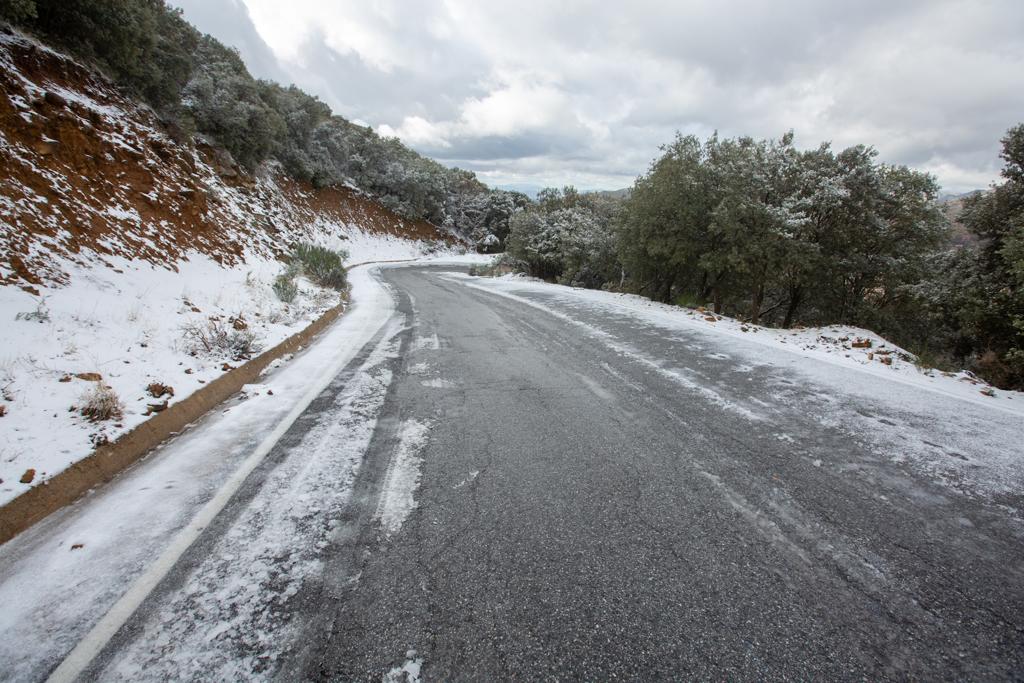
(416, 130)
(540, 92)
(512, 109)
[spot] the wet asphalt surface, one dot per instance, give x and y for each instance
(585, 514)
(581, 516)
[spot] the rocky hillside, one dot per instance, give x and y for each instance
(952, 206)
(89, 174)
(136, 266)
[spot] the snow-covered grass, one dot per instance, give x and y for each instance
(134, 325)
(151, 268)
(53, 593)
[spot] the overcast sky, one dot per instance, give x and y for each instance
(561, 92)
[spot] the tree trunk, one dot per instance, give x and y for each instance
(666, 294)
(755, 306)
(794, 302)
(716, 292)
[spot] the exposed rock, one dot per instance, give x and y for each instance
(29, 475)
(861, 343)
(155, 408)
(54, 99)
(158, 390)
(45, 148)
(90, 376)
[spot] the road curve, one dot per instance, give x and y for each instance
(584, 515)
(553, 490)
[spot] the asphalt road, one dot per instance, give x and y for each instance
(583, 515)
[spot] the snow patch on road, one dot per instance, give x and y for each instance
(674, 374)
(438, 383)
(431, 343)
(230, 619)
(418, 369)
(53, 595)
(471, 478)
(942, 424)
(409, 672)
(397, 500)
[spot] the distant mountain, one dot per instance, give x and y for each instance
(950, 196)
(528, 189)
(532, 190)
(951, 205)
(614, 194)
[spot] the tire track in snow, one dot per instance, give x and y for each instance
(228, 615)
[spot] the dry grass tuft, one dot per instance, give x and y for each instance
(216, 339)
(101, 403)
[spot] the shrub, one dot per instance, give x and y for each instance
(41, 314)
(101, 403)
(321, 265)
(214, 338)
(285, 287)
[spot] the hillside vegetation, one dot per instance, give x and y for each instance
(758, 229)
(763, 231)
(136, 270)
(200, 88)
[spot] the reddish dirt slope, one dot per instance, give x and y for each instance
(86, 173)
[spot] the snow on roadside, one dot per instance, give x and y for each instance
(132, 325)
(833, 343)
(63, 574)
(940, 424)
(242, 588)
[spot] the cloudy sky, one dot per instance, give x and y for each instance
(562, 92)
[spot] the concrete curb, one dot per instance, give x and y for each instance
(109, 460)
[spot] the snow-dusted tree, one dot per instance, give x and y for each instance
(977, 291)
(225, 102)
(565, 236)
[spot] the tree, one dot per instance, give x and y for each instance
(225, 102)
(978, 291)
(18, 11)
(664, 226)
(566, 236)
